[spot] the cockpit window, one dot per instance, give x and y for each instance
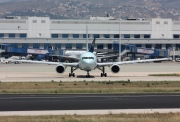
(87, 58)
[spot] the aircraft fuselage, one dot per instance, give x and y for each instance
(88, 61)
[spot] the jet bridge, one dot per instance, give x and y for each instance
(132, 51)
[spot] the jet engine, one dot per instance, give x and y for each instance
(60, 69)
(115, 68)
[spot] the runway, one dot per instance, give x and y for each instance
(88, 102)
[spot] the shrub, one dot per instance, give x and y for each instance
(148, 85)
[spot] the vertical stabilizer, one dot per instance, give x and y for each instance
(91, 49)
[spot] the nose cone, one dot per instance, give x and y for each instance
(87, 61)
(89, 65)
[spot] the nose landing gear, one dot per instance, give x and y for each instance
(88, 76)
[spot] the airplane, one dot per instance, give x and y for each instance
(75, 54)
(88, 62)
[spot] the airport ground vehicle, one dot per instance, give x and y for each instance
(6, 61)
(177, 59)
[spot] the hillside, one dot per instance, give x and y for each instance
(80, 9)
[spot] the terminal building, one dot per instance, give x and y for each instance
(62, 34)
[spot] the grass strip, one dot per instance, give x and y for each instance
(97, 118)
(89, 87)
(175, 74)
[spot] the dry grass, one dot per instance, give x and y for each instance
(175, 74)
(90, 87)
(98, 118)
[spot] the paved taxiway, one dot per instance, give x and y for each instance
(88, 102)
(43, 72)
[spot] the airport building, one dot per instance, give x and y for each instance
(43, 32)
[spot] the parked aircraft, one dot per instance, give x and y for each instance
(75, 54)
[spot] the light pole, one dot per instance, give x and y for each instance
(174, 54)
(120, 38)
(87, 48)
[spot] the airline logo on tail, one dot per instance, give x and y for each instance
(91, 49)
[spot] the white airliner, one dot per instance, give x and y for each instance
(88, 62)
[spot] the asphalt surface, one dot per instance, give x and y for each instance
(88, 102)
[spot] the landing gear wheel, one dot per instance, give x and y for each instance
(72, 70)
(105, 74)
(73, 75)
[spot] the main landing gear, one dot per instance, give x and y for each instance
(71, 74)
(72, 70)
(103, 74)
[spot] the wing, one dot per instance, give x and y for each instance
(44, 62)
(130, 62)
(110, 56)
(69, 57)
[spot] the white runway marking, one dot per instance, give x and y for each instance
(88, 112)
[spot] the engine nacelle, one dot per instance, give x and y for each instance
(60, 69)
(115, 68)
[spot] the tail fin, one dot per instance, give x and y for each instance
(91, 49)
